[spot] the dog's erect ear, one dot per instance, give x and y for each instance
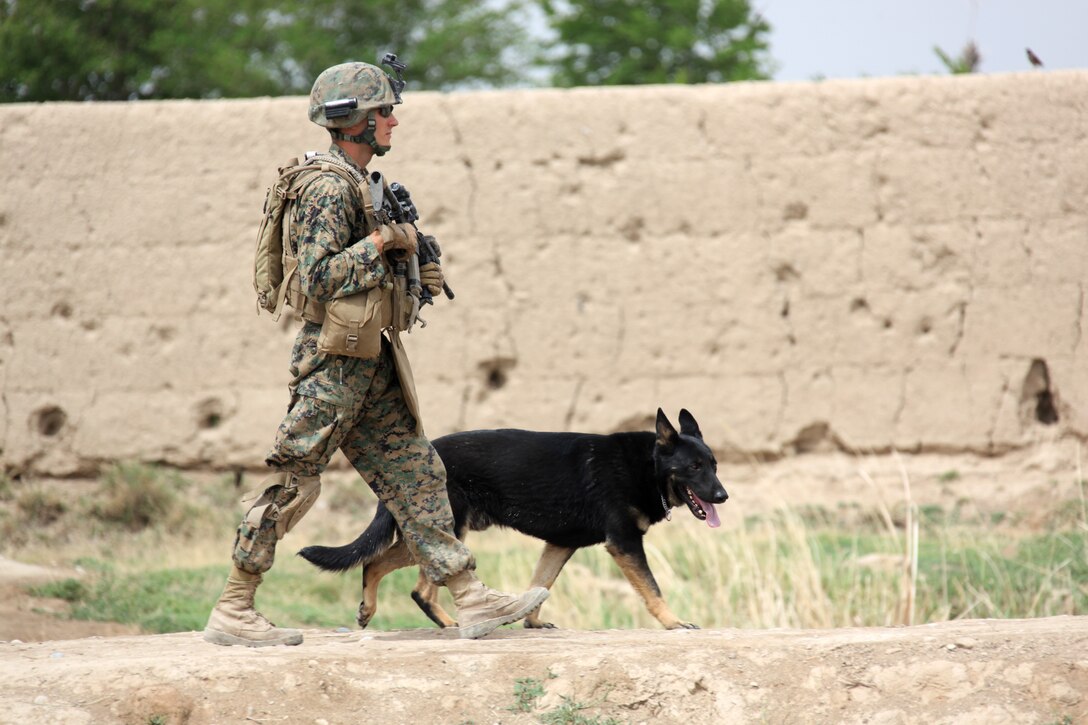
(666, 434)
(688, 426)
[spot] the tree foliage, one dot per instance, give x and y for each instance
(611, 42)
(968, 61)
(131, 49)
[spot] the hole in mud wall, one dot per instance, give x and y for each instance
(632, 229)
(785, 272)
(1045, 412)
(795, 210)
(496, 372)
(61, 309)
(49, 421)
(1038, 402)
(814, 437)
(165, 333)
(209, 414)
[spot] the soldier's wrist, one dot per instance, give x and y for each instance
(375, 239)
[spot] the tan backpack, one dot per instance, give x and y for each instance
(274, 264)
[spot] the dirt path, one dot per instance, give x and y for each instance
(976, 671)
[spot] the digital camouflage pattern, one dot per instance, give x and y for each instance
(280, 503)
(329, 237)
(356, 406)
(362, 81)
(353, 404)
(255, 543)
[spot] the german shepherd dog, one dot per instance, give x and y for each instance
(569, 489)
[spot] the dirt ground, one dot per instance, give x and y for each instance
(968, 671)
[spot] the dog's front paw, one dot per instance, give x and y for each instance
(684, 625)
(363, 617)
(537, 624)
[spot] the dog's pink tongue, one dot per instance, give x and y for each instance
(712, 519)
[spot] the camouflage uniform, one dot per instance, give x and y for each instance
(353, 404)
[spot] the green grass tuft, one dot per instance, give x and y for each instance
(40, 507)
(527, 690)
(136, 496)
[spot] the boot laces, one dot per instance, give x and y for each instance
(259, 619)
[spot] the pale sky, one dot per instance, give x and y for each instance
(858, 38)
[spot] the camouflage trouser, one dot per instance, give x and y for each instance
(356, 406)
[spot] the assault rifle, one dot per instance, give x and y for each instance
(404, 211)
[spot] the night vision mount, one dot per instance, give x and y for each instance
(398, 83)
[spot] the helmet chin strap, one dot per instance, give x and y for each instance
(367, 136)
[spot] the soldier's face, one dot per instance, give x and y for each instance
(383, 127)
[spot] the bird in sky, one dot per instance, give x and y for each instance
(1034, 59)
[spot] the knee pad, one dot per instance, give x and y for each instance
(279, 504)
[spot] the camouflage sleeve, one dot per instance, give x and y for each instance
(330, 264)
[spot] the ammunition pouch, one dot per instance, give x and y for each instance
(306, 308)
(353, 325)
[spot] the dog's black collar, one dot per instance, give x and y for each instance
(663, 486)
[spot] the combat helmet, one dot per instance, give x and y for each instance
(350, 93)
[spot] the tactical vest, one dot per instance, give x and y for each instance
(357, 320)
(309, 309)
(350, 325)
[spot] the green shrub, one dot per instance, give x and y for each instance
(70, 590)
(39, 506)
(527, 690)
(135, 495)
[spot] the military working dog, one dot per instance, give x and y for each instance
(569, 489)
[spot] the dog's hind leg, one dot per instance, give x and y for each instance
(547, 569)
(425, 596)
(631, 559)
(393, 558)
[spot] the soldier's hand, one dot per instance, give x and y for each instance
(376, 238)
(399, 236)
(430, 276)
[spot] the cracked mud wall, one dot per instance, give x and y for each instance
(873, 264)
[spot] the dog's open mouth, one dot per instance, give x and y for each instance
(702, 510)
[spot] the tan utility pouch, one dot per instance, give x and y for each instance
(353, 325)
(308, 309)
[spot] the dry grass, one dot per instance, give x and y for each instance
(893, 561)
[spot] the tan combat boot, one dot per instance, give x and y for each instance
(480, 609)
(234, 620)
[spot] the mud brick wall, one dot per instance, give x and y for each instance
(870, 265)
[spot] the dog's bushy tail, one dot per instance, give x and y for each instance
(371, 543)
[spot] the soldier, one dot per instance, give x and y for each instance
(363, 406)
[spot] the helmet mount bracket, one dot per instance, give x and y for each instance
(390, 59)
